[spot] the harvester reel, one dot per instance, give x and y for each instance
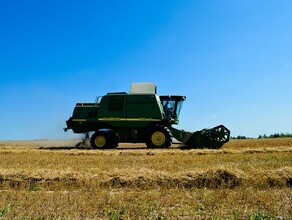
(212, 138)
(219, 133)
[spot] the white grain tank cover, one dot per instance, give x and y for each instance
(143, 88)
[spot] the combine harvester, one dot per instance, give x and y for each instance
(140, 117)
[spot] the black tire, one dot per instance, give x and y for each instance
(103, 140)
(159, 137)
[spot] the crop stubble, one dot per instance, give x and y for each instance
(244, 178)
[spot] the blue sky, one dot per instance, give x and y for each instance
(231, 58)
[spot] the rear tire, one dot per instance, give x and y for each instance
(159, 137)
(103, 140)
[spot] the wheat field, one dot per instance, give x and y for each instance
(245, 179)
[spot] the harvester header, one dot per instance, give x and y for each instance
(140, 116)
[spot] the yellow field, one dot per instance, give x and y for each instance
(246, 179)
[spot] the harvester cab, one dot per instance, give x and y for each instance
(140, 116)
(172, 106)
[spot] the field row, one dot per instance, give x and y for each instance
(144, 179)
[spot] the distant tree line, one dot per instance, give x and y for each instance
(276, 135)
(240, 137)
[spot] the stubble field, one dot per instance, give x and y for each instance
(245, 179)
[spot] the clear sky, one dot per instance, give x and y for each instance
(231, 58)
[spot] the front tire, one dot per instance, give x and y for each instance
(159, 137)
(103, 140)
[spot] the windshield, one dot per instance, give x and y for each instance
(172, 106)
(178, 108)
(168, 107)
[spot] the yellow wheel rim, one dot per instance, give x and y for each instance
(100, 141)
(158, 138)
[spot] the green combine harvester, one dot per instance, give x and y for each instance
(140, 116)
